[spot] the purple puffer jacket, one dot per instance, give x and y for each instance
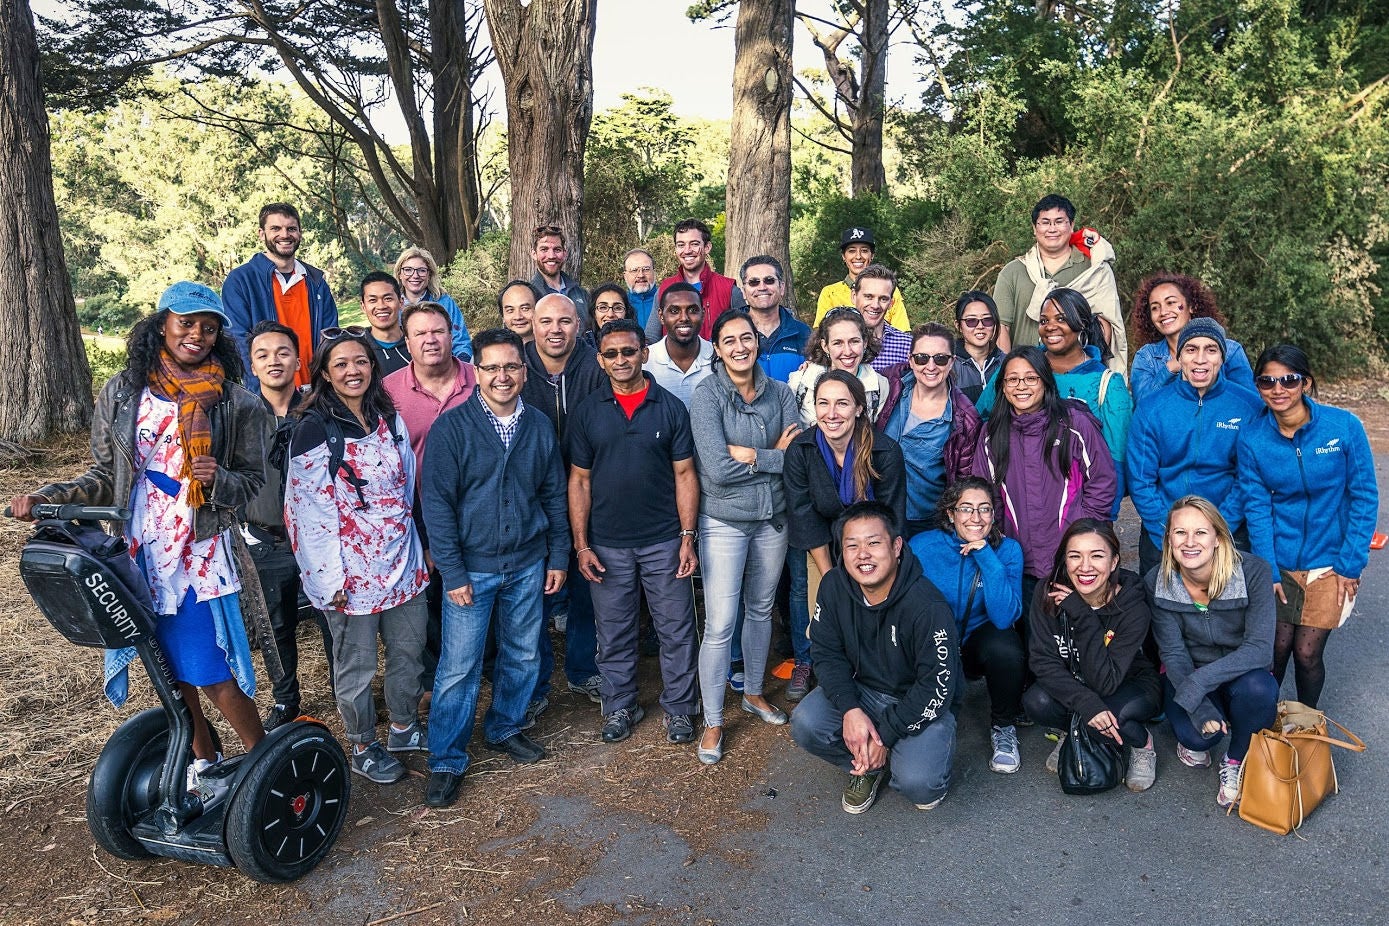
(965, 423)
(1038, 502)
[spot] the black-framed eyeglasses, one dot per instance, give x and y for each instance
(969, 511)
(1288, 381)
(612, 353)
(346, 331)
(414, 271)
(492, 369)
(1028, 379)
(984, 321)
(764, 281)
(939, 360)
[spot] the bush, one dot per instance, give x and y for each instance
(107, 311)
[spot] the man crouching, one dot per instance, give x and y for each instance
(887, 659)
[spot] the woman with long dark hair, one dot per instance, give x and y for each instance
(979, 571)
(1163, 305)
(828, 467)
(1311, 501)
(935, 424)
(348, 506)
(1047, 459)
(1100, 609)
(977, 354)
(178, 441)
(1213, 617)
(743, 421)
(606, 302)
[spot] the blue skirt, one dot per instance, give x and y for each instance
(188, 638)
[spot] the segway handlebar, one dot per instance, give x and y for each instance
(48, 511)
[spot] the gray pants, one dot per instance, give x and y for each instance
(616, 609)
(402, 629)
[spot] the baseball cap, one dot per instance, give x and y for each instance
(858, 234)
(186, 298)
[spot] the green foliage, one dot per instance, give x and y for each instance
(107, 311)
(475, 279)
(104, 363)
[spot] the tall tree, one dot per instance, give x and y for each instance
(348, 57)
(545, 51)
(45, 383)
(759, 158)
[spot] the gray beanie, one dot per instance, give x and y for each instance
(1202, 328)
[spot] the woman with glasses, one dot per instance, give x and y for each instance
(419, 279)
(743, 421)
(828, 467)
(1311, 501)
(1047, 459)
(841, 341)
(1163, 305)
(1101, 610)
(348, 506)
(1213, 616)
(936, 426)
(979, 571)
(977, 355)
(607, 302)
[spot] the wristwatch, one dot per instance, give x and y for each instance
(692, 534)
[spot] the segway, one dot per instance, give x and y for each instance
(272, 813)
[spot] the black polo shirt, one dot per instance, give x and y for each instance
(633, 479)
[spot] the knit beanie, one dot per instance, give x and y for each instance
(1202, 328)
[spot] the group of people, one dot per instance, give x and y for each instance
(940, 500)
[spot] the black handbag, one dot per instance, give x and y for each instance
(1090, 762)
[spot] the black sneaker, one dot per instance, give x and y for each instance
(522, 749)
(679, 728)
(442, 790)
(279, 715)
(619, 724)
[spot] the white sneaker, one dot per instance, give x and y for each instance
(1229, 782)
(1193, 758)
(931, 806)
(1006, 758)
(196, 769)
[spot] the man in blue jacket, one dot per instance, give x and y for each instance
(274, 286)
(493, 493)
(781, 337)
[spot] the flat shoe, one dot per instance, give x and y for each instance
(775, 716)
(442, 790)
(711, 756)
(522, 749)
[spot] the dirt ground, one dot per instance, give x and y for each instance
(486, 860)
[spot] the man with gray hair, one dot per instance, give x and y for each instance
(639, 273)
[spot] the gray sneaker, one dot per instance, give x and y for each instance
(411, 739)
(591, 688)
(537, 707)
(376, 764)
(1054, 760)
(1142, 769)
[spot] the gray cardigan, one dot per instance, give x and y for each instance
(1202, 651)
(729, 490)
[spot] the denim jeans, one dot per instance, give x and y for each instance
(519, 598)
(580, 638)
(1246, 704)
(402, 629)
(920, 763)
(739, 568)
(799, 619)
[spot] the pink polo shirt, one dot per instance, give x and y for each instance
(419, 408)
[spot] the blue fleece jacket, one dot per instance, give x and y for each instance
(1310, 500)
(995, 575)
(248, 296)
(1181, 443)
(784, 352)
(491, 508)
(1149, 372)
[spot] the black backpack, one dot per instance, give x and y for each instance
(284, 436)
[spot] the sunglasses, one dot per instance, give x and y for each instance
(1287, 381)
(764, 281)
(612, 353)
(982, 322)
(940, 360)
(347, 331)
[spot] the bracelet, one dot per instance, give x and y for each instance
(584, 550)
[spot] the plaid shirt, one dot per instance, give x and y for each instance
(896, 348)
(506, 430)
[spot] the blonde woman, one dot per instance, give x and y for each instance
(418, 274)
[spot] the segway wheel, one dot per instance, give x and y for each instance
(290, 806)
(125, 782)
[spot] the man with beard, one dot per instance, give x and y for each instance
(639, 272)
(781, 337)
(549, 252)
(682, 358)
(274, 286)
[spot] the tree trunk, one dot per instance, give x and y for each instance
(866, 166)
(45, 383)
(759, 156)
(452, 26)
(545, 53)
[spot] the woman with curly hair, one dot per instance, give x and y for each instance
(179, 442)
(1163, 305)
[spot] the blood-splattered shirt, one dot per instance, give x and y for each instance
(371, 550)
(161, 526)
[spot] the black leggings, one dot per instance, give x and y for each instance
(1131, 704)
(1306, 645)
(998, 656)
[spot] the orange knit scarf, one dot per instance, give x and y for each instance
(195, 392)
